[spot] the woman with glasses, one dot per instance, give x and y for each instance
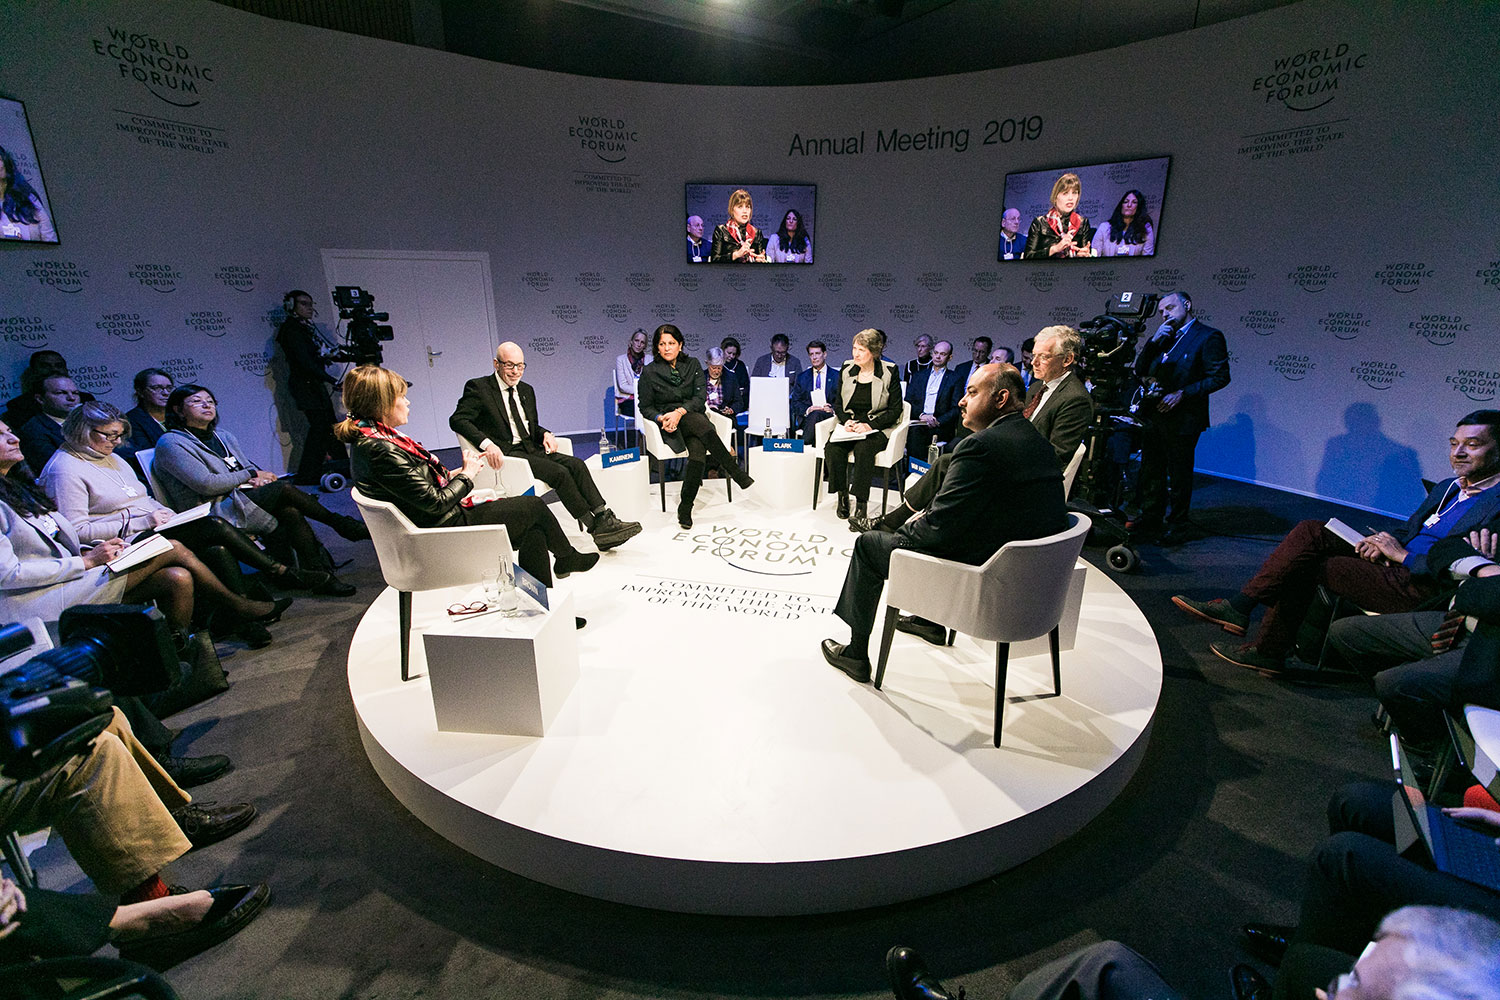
(197, 461)
(101, 498)
(148, 419)
(44, 569)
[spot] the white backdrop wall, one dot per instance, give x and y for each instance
(1342, 235)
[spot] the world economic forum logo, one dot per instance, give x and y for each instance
(166, 69)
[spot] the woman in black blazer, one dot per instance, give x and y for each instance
(869, 399)
(395, 468)
(1062, 231)
(670, 392)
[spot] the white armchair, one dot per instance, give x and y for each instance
(657, 448)
(143, 459)
(1074, 464)
(413, 558)
(1017, 594)
(891, 455)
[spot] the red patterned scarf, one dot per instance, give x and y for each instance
(1075, 223)
(378, 431)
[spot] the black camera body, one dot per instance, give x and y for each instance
(1109, 350)
(53, 705)
(365, 332)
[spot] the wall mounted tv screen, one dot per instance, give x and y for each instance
(750, 223)
(25, 212)
(1079, 211)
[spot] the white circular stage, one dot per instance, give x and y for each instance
(709, 761)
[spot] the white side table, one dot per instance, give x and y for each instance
(493, 674)
(783, 479)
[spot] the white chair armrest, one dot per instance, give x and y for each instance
(935, 588)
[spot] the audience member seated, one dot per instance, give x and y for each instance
(933, 392)
(813, 391)
(42, 434)
(1423, 663)
(43, 570)
(722, 392)
(1383, 573)
(41, 923)
(148, 418)
(390, 466)
(628, 371)
(1003, 485)
(123, 820)
(1058, 402)
(100, 496)
(923, 344)
(197, 462)
(1425, 952)
(733, 365)
(1355, 877)
(868, 403)
(671, 394)
(780, 363)
(41, 365)
(497, 413)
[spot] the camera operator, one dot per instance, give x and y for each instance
(1186, 360)
(308, 382)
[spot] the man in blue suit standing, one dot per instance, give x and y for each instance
(1187, 360)
(811, 391)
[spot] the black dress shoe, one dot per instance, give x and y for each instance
(254, 635)
(609, 531)
(1269, 941)
(910, 979)
(279, 606)
(573, 562)
(684, 516)
(856, 667)
(205, 823)
(842, 510)
(190, 771)
(863, 524)
(351, 528)
(233, 907)
(923, 629)
(1248, 984)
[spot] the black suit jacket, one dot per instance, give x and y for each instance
(307, 377)
(1197, 363)
(40, 437)
(945, 408)
(655, 393)
(1066, 417)
(1478, 679)
(1002, 484)
(482, 413)
(383, 471)
(802, 388)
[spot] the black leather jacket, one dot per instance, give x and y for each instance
(383, 471)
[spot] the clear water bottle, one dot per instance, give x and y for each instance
(933, 451)
(604, 445)
(768, 428)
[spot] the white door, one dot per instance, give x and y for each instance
(442, 308)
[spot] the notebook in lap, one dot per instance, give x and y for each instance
(1455, 848)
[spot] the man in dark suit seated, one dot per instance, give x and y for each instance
(1063, 424)
(1383, 573)
(814, 387)
(497, 413)
(1058, 402)
(41, 365)
(933, 393)
(1423, 663)
(42, 434)
(780, 362)
(1003, 485)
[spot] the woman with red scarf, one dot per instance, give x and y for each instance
(395, 468)
(1062, 232)
(737, 241)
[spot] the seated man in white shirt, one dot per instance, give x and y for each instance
(814, 387)
(933, 393)
(498, 414)
(779, 363)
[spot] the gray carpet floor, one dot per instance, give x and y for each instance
(1214, 830)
